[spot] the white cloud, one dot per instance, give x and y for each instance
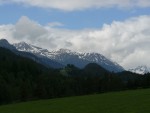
(143, 3)
(6, 32)
(126, 42)
(55, 24)
(27, 29)
(71, 5)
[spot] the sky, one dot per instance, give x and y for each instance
(118, 29)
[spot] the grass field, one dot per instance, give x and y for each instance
(137, 101)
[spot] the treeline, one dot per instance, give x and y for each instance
(22, 79)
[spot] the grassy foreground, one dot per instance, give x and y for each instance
(137, 101)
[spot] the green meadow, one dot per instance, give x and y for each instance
(135, 101)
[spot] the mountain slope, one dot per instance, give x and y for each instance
(39, 59)
(5, 44)
(82, 59)
(94, 69)
(140, 70)
(22, 46)
(14, 63)
(65, 56)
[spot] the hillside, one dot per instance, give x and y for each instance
(39, 59)
(22, 79)
(136, 101)
(17, 74)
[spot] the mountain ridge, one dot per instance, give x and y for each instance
(143, 69)
(5, 44)
(66, 56)
(39, 59)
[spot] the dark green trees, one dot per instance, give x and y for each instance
(22, 79)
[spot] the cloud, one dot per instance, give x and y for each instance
(125, 42)
(71, 5)
(6, 32)
(27, 29)
(143, 3)
(55, 24)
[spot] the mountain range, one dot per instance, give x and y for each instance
(65, 56)
(140, 70)
(24, 74)
(39, 59)
(60, 58)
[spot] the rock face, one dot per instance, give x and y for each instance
(65, 56)
(140, 70)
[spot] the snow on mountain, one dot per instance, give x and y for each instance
(27, 51)
(140, 70)
(23, 46)
(65, 56)
(40, 53)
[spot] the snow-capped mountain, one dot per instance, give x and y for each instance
(65, 56)
(23, 46)
(39, 59)
(140, 70)
(80, 60)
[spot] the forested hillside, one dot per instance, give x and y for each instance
(22, 79)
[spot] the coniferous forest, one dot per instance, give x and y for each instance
(22, 79)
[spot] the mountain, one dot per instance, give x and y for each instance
(5, 44)
(23, 46)
(39, 59)
(80, 60)
(65, 56)
(93, 69)
(140, 70)
(11, 62)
